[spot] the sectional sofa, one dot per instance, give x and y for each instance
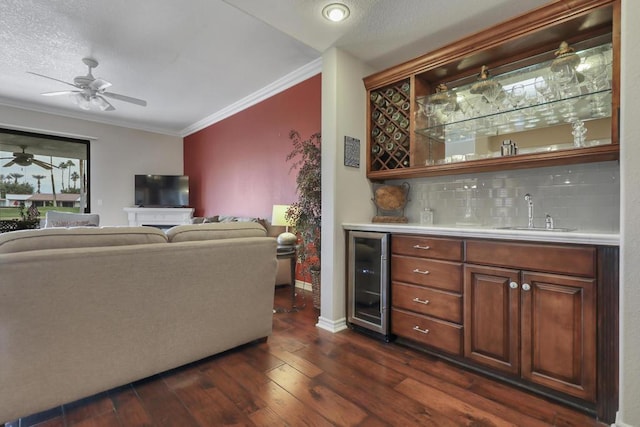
(83, 310)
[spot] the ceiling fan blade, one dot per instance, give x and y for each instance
(125, 98)
(62, 92)
(42, 164)
(11, 163)
(99, 84)
(52, 78)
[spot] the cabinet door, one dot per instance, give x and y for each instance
(492, 317)
(559, 333)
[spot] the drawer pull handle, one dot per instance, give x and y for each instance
(420, 301)
(422, 331)
(426, 248)
(415, 270)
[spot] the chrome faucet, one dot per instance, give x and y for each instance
(529, 200)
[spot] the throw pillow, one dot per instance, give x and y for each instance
(69, 219)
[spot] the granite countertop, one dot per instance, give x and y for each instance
(576, 237)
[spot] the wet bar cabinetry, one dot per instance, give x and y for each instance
(539, 90)
(426, 291)
(542, 316)
(530, 311)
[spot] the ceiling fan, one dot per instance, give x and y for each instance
(90, 91)
(25, 159)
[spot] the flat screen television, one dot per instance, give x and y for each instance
(161, 191)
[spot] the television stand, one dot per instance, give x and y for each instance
(159, 217)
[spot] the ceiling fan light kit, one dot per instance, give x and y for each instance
(90, 91)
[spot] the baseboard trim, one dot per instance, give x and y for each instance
(619, 423)
(332, 325)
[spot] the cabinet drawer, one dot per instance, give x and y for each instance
(564, 259)
(428, 247)
(427, 272)
(443, 305)
(426, 330)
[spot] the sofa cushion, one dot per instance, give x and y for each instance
(215, 230)
(70, 219)
(78, 237)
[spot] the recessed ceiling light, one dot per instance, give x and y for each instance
(336, 12)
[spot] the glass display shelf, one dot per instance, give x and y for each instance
(582, 107)
(554, 104)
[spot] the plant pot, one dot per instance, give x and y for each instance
(315, 287)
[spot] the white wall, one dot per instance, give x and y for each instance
(346, 193)
(116, 155)
(629, 413)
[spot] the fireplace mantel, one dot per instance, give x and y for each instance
(159, 217)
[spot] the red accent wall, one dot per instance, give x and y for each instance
(238, 166)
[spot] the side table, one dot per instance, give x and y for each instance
(290, 253)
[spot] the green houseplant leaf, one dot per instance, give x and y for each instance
(305, 213)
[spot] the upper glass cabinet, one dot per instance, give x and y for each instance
(558, 104)
(539, 90)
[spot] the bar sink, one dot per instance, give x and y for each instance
(521, 228)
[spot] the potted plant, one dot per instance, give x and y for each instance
(305, 213)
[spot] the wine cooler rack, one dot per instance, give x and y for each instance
(390, 126)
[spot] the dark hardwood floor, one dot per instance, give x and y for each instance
(305, 376)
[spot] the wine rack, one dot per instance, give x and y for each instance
(390, 126)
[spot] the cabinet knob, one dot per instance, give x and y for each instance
(422, 331)
(513, 285)
(420, 301)
(425, 248)
(526, 287)
(415, 270)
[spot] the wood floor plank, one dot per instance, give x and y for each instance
(259, 358)
(265, 417)
(297, 362)
(386, 404)
(458, 410)
(210, 407)
(495, 406)
(331, 405)
(244, 400)
(287, 407)
(533, 404)
(108, 419)
(92, 406)
(243, 373)
(129, 408)
(162, 405)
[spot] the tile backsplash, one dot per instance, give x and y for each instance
(585, 197)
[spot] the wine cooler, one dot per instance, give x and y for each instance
(368, 283)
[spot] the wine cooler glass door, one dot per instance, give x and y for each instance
(368, 281)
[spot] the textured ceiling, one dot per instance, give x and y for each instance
(192, 59)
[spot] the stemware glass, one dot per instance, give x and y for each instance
(593, 68)
(518, 95)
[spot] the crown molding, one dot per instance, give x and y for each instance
(86, 117)
(301, 74)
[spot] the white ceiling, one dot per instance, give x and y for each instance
(195, 61)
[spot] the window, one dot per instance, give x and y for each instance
(44, 171)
